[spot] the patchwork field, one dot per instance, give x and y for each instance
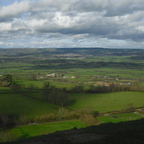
(21, 105)
(89, 68)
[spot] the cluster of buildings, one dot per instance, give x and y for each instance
(54, 75)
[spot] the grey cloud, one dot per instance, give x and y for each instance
(122, 7)
(87, 23)
(47, 20)
(111, 7)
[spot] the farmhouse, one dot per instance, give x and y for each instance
(65, 77)
(107, 84)
(41, 77)
(127, 83)
(51, 75)
(104, 83)
(100, 83)
(105, 77)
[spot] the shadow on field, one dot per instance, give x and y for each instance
(131, 132)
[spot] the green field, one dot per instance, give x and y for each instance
(21, 105)
(23, 132)
(105, 102)
(120, 117)
(34, 130)
(5, 90)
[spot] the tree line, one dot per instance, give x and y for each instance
(105, 89)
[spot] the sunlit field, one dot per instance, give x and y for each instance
(108, 101)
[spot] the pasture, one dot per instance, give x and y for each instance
(24, 132)
(23, 106)
(35, 130)
(104, 102)
(120, 117)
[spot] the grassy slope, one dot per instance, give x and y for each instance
(17, 104)
(35, 130)
(112, 133)
(108, 101)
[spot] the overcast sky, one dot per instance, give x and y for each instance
(71, 23)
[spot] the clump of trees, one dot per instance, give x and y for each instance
(33, 77)
(7, 81)
(31, 87)
(16, 87)
(8, 120)
(78, 88)
(88, 119)
(54, 95)
(87, 116)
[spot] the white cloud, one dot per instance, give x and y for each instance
(14, 9)
(77, 23)
(1, 43)
(5, 27)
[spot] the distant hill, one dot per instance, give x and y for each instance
(81, 51)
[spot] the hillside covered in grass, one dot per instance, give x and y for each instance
(120, 133)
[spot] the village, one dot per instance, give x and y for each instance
(97, 80)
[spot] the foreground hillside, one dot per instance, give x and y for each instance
(120, 133)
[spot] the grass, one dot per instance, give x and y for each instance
(38, 84)
(35, 130)
(112, 133)
(108, 101)
(5, 90)
(120, 117)
(21, 105)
